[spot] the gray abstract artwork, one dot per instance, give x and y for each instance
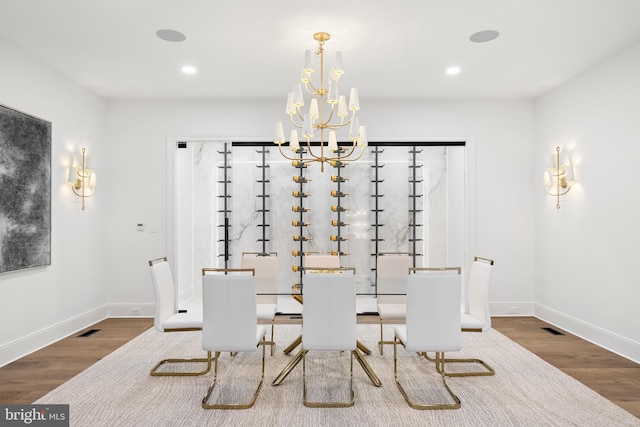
(25, 191)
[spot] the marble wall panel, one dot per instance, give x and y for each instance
(394, 234)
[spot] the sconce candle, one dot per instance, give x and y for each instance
(82, 179)
(559, 178)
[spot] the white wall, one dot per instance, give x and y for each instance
(500, 133)
(41, 305)
(586, 252)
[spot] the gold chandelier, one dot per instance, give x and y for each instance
(315, 118)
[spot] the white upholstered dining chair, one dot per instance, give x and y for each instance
(168, 319)
(432, 324)
(230, 323)
(266, 268)
(329, 322)
(392, 274)
(475, 316)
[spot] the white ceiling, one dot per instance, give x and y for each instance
(255, 49)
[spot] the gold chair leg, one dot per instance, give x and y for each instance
(156, 372)
(272, 343)
(326, 404)
(246, 405)
(382, 342)
(439, 360)
(489, 371)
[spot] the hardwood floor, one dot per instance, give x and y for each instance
(612, 376)
(31, 377)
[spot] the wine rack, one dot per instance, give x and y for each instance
(299, 196)
(414, 195)
(338, 207)
(262, 198)
(225, 194)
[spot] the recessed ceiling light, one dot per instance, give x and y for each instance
(171, 35)
(188, 69)
(484, 36)
(452, 71)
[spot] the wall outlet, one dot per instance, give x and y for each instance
(135, 310)
(513, 309)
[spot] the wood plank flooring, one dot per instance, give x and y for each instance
(612, 376)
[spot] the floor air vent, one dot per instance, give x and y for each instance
(553, 331)
(89, 332)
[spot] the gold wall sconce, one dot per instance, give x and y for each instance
(559, 178)
(82, 179)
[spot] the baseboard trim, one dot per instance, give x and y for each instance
(503, 309)
(23, 346)
(131, 310)
(608, 340)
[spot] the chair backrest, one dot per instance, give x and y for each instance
(164, 291)
(229, 311)
(320, 261)
(392, 273)
(266, 268)
(433, 311)
(329, 314)
(478, 291)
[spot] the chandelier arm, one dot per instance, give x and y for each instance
(310, 151)
(284, 155)
(327, 123)
(346, 156)
(342, 123)
(309, 84)
(294, 123)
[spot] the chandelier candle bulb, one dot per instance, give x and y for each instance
(294, 143)
(333, 92)
(290, 108)
(338, 69)
(354, 101)
(278, 134)
(333, 141)
(343, 111)
(313, 110)
(308, 65)
(298, 99)
(354, 129)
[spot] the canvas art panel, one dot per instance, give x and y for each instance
(25, 191)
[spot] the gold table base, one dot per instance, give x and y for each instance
(357, 353)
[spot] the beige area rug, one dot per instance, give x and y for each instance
(526, 391)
